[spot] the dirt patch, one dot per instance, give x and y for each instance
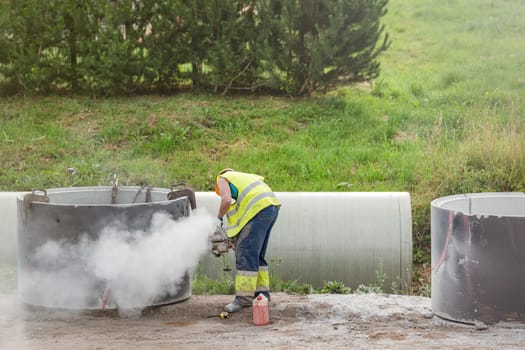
(368, 321)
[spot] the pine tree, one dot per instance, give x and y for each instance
(230, 57)
(294, 46)
(318, 43)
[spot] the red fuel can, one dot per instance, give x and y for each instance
(261, 315)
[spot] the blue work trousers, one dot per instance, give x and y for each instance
(252, 268)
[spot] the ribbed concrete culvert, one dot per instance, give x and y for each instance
(355, 238)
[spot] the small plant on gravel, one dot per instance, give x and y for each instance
(334, 287)
(294, 287)
(364, 289)
(424, 288)
(204, 285)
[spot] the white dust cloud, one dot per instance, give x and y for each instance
(132, 269)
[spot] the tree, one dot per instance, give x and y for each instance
(318, 43)
(27, 33)
(119, 46)
(232, 59)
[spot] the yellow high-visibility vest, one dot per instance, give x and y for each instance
(253, 196)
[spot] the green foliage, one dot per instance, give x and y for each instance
(334, 287)
(128, 46)
(425, 289)
(321, 43)
(231, 57)
(291, 287)
(379, 286)
(71, 45)
(368, 289)
(162, 139)
(446, 116)
(202, 284)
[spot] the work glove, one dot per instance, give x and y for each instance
(218, 222)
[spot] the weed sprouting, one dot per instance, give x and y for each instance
(335, 287)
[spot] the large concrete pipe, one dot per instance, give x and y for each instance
(8, 227)
(354, 238)
(74, 218)
(350, 237)
(478, 257)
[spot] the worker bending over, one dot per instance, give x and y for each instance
(251, 209)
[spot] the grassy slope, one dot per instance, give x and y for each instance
(446, 116)
(455, 72)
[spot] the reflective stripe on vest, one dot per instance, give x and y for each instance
(242, 195)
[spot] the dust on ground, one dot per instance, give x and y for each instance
(356, 321)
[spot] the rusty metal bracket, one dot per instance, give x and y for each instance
(114, 188)
(148, 194)
(148, 188)
(178, 191)
(33, 197)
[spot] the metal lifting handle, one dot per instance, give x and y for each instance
(114, 189)
(183, 192)
(30, 198)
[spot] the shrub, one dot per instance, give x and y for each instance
(125, 46)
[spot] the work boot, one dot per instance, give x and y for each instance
(238, 304)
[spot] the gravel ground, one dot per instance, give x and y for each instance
(366, 321)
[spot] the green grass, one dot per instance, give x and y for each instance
(224, 284)
(446, 116)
